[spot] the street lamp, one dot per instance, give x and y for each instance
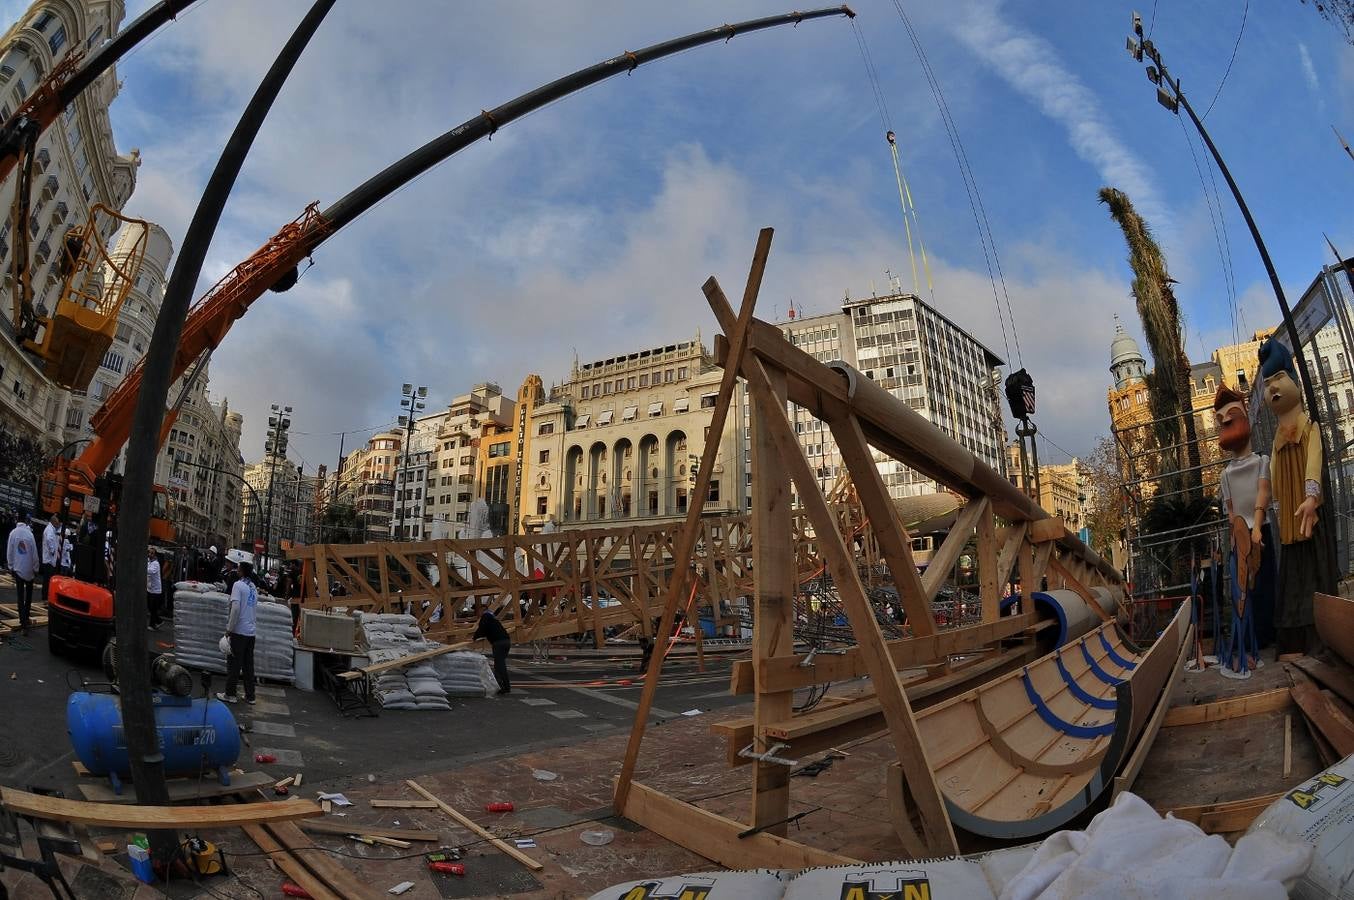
(412, 402)
(1173, 99)
(279, 422)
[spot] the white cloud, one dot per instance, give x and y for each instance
(1032, 66)
(1309, 74)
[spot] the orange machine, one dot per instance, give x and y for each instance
(79, 616)
(272, 266)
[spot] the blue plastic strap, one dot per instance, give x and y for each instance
(1095, 666)
(1080, 692)
(1114, 657)
(1051, 718)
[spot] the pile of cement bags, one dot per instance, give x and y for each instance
(200, 613)
(426, 684)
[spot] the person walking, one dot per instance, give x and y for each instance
(21, 555)
(240, 630)
(154, 588)
(51, 551)
(492, 630)
(66, 548)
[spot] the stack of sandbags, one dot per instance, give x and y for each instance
(200, 614)
(465, 674)
(426, 687)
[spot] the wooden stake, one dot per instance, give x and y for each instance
(471, 826)
(989, 582)
(686, 539)
(1288, 746)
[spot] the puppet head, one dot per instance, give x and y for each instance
(1279, 378)
(1234, 425)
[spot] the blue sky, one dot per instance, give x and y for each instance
(589, 226)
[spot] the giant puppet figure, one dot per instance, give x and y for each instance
(1305, 563)
(1246, 496)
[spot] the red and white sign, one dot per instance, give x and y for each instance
(258, 547)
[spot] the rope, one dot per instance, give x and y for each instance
(1225, 259)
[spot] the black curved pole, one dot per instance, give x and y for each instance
(104, 58)
(138, 714)
(391, 179)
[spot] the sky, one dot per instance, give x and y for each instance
(586, 229)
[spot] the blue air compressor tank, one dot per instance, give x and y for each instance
(197, 735)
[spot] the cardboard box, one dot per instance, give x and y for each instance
(329, 631)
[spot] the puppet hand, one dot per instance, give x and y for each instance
(1306, 516)
(1255, 534)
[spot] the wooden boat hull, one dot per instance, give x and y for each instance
(1335, 624)
(1026, 753)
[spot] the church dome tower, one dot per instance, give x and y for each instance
(1126, 360)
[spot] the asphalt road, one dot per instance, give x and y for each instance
(552, 703)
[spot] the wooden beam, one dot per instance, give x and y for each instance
(404, 804)
(290, 865)
(1042, 530)
(894, 541)
(180, 789)
(329, 826)
(1010, 550)
(1287, 747)
(716, 838)
(789, 673)
(1333, 724)
(1224, 817)
(943, 560)
(328, 869)
(938, 832)
(377, 668)
(113, 815)
(1039, 565)
(1338, 678)
(470, 826)
(1234, 707)
(989, 585)
(686, 540)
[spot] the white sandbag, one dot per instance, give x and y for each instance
(1319, 812)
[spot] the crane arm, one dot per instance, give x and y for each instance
(207, 324)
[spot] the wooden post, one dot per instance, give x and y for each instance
(989, 583)
(769, 414)
(774, 572)
(894, 541)
(686, 539)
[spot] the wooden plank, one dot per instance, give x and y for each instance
(377, 668)
(1044, 530)
(938, 832)
(404, 804)
(1039, 564)
(716, 838)
(1288, 746)
(290, 866)
(943, 560)
(1335, 624)
(112, 815)
(1338, 678)
(476, 829)
(1010, 550)
(1128, 773)
(181, 789)
(1073, 584)
(1334, 726)
(686, 538)
(989, 585)
(329, 826)
(1234, 707)
(788, 673)
(887, 526)
(325, 866)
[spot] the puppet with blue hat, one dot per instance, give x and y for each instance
(1305, 563)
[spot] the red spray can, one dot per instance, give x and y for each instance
(447, 868)
(500, 807)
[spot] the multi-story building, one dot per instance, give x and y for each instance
(454, 465)
(1127, 398)
(620, 441)
(369, 476)
(919, 355)
(503, 454)
(1062, 490)
(280, 506)
(76, 165)
(411, 480)
(202, 470)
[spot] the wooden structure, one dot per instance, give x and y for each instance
(1011, 532)
(113, 815)
(1335, 624)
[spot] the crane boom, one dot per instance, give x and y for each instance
(274, 265)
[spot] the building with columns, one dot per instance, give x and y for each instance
(280, 506)
(619, 442)
(76, 165)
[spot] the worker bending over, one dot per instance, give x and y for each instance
(492, 630)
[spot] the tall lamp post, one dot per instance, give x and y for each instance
(279, 422)
(412, 402)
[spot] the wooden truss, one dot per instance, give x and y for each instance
(1012, 533)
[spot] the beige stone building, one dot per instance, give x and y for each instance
(621, 440)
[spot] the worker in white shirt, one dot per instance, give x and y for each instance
(51, 550)
(66, 547)
(21, 556)
(154, 593)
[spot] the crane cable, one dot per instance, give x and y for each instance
(909, 207)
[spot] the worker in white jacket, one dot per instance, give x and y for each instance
(21, 555)
(51, 551)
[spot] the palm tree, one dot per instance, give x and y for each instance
(1169, 383)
